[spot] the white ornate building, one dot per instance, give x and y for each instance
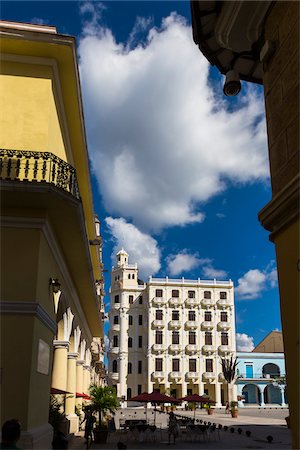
(169, 334)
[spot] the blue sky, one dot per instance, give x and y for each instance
(179, 172)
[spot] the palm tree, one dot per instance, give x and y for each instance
(229, 373)
(103, 399)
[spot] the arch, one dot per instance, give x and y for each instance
(115, 366)
(129, 395)
(271, 370)
(252, 394)
(272, 394)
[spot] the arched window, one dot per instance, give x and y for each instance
(270, 370)
(115, 366)
(129, 276)
(133, 276)
(129, 393)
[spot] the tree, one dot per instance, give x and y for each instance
(229, 373)
(103, 399)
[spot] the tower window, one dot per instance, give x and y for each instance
(130, 320)
(223, 295)
(116, 320)
(130, 342)
(158, 364)
(175, 293)
(139, 366)
(158, 293)
(117, 299)
(208, 338)
(140, 300)
(175, 365)
(129, 368)
(224, 338)
(159, 314)
(115, 366)
(175, 315)
(140, 341)
(139, 389)
(116, 341)
(192, 337)
(209, 365)
(192, 365)
(133, 277)
(119, 258)
(158, 337)
(129, 393)
(192, 316)
(140, 319)
(191, 294)
(129, 276)
(224, 316)
(207, 316)
(130, 299)
(207, 294)
(175, 337)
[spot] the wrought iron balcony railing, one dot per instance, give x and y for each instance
(38, 167)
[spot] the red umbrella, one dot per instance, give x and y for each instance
(78, 395)
(141, 398)
(58, 391)
(154, 397)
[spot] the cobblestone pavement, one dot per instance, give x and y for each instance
(261, 423)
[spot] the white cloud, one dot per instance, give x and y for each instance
(141, 247)
(255, 281)
(106, 342)
(244, 343)
(183, 262)
(211, 272)
(272, 277)
(160, 141)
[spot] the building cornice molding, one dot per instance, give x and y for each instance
(29, 308)
(282, 210)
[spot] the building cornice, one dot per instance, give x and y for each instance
(29, 309)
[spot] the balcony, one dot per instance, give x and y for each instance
(158, 376)
(191, 348)
(207, 302)
(114, 376)
(38, 167)
(222, 303)
(208, 376)
(175, 324)
(114, 350)
(115, 327)
(259, 376)
(192, 302)
(158, 348)
(224, 326)
(159, 324)
(175, 348)
(159, 301)
(175, 301)
(191, 376)
(175, 376)
(208, 349)
(224, 349)
(191, 325)
(207, 325)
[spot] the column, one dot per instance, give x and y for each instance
(60, 365)
(282, 395)
(218, 395)
(261, 390)
(71, 387)
(79, 381)
(86, 379)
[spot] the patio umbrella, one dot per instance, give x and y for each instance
(195, 398)
(58, 391)
(141, 398)
(158, 398)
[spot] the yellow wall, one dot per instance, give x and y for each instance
(29, 118)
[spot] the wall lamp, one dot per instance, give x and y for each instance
(95, 242)
(55, 284)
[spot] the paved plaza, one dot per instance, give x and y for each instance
(261, 423)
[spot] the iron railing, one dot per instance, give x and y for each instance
(259, 375)
(38, 167)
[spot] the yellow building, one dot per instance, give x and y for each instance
(259, 42)
(51, 269)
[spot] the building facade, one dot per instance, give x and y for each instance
(169, 334)
(51, 269)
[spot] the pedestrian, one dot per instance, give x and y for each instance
(172, 427)
(227, 407)
(11, 432)
(89, 420)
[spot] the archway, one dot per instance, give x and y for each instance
(271, 370)
(251, 394)
(272, 394)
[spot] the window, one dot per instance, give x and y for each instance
(133, 277)
(207, 316)
(175, 337)
(175, 365)
(129, 393)
(130, 342)
(224, 316)
(140, 300)
(158, 364)
(140, 319)
(140, 341)
(116, 320)
(223, 295)
(175, 293)
(139, 366)
(115, 366)
(117, 300)
(129, 368)
(139, 389)
(175, 315)
(192, 365)
(191, 294)
(209, 365)
(207, 294)
(224, 338)
(119, 258)
(189, 391)
(129, 276)
(208, 338)
(192, 316)
(159, 314)
(192, 337)
(130, 320)
(158, 337)
(116, 341)
(130, 299)
(115, 278)
(158, 293)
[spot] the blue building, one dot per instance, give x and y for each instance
(261, 379)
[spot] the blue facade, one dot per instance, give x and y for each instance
(260, 379)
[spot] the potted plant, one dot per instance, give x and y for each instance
(59, 423)
(103, 400)
(234, 409)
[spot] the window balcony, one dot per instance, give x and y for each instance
(207, 302)
(224, 349)
(159, 301)
(224, 326)
(114, 350)
(115, 306)
(191, 325)
(175, 324)
(191, 348)
(208, 376)
(175, 301)
(158, 376)
(115, 327)
(174, 348)
(175, 376)
(158, 348)
(208, 349)
(222, 303)
(159, 324)
(207, 325)
(191, 376)
(114, 376)
(192, 302)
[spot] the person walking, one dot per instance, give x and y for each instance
(227, 407)
(172, 427)
(89, 420)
